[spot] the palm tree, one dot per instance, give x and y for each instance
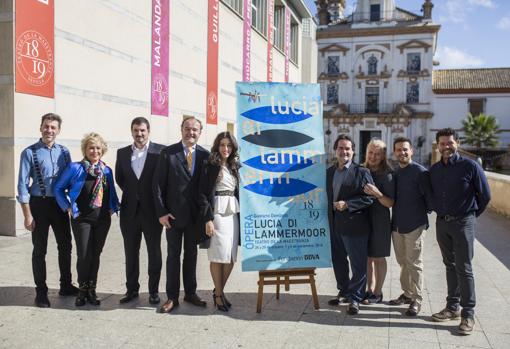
(481, 131)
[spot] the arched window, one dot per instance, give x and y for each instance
(372, 65)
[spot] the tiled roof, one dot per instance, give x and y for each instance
(475, 80)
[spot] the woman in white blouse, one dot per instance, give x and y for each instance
(219, 208)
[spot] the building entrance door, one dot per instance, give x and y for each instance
(364, 138)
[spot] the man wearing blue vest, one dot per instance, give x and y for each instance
(40, 165)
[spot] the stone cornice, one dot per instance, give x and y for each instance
(350, 32)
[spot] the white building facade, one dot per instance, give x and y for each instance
(458, 92)
(375, 71)
(102, 80)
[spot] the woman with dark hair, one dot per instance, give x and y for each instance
(90, 201)
(379, 242)
(219, 207)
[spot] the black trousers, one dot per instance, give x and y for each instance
(90, 236)
(174, 238)
(456, 241)
(46, 213)
(132, 229)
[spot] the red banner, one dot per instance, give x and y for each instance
(35, 53)
(159, 57)
(213, 36)
(287, 43)
(270, 39)
(246, 40)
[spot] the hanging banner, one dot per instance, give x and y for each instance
(35, 52)
(159, 57)
(213, 36)
(270, 39)
(284, 220)
(246, 39)
(287, 43)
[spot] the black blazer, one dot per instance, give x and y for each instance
(355, 219)
(136, 192)
(174, 187)
(205, 198)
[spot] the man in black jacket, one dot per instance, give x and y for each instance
(175, 182)
(349, 223)
(134, 171)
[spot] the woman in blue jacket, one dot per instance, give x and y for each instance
(90, 201)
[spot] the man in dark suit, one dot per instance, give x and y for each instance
(349, 223)
(134, 172)
(175, 182)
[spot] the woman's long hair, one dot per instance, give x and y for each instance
(233, 159)
(384, 166)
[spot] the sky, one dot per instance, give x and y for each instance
(474, 33)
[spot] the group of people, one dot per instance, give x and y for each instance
(193, 194)
(362, 225)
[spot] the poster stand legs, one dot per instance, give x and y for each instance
(286, 277)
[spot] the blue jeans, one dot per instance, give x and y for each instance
(456, 241)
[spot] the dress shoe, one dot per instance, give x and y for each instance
(154, 298)
(195, 300)
(220, 306)
(168, 306)
(224, 298)
(129, 296)
(414, 309)
(91, 295)
(83, 293)
(353, 308)
(338, 299)
(41, 300)
(68, 290)
(402, 299)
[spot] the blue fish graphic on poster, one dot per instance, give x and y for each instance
(284, 221)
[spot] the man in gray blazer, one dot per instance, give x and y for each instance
(134, 171)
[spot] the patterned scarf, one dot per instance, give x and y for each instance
(97, 171)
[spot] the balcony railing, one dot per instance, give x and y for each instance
(380, 108)
(381, 16)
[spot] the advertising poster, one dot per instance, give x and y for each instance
(213, 38)
(35, 51)
(159, 57)
(284, 221)
(246, 40)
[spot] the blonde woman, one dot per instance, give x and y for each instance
(379, 243)
(90, 201)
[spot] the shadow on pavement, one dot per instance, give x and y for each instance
(289, 308)
(492, 232)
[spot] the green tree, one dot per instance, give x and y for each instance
(481, 131)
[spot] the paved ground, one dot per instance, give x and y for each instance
(290, 322)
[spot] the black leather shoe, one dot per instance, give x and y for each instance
(68, 290)
(353, 308)
(338, 299)
(41, 300)
(414, 309)
(154, 298)
(129, 296)
(195, 300)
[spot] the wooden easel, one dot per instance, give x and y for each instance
(286, 277)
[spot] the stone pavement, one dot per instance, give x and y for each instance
(290, 322)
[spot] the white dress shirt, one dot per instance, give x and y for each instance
(138, 159)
